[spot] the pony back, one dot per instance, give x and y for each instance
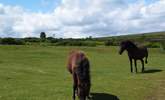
(75, 59)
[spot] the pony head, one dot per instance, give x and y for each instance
(126, 45)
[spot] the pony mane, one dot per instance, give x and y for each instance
(130, 43)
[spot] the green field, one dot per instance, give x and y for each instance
(39, 73)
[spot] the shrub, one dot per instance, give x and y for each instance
(19, 42)
(163, 45)
(12, 41)
(89, 43)
(99, 43)
(61, 43)
(31, 39)
(52, 40)
(111, 43)
(153, 45)
(75, 43)
(108, 43)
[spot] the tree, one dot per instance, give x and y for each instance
(43, 35)
(90, 37)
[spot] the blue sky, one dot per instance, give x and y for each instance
(34, 5)
(80, 18)
(45, 5)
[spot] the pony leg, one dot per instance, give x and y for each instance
(89, 97)
(82, 98)
(142, 61)
(74, 89)
(88, 93)
(131, 64)
(74, 86)
(135, 65)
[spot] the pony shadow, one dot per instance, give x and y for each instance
(103, 96)
(152, 70)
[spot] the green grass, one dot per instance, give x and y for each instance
(39, 73)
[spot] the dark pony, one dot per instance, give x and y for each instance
(79, 67)
(134, 53)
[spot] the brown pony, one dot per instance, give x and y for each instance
(79, 67)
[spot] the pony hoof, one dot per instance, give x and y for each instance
(89, 97)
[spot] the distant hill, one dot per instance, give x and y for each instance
(153, 39)
(138, 37)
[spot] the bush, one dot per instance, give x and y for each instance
(89, 43)
(19, 42)
(163, 45)
(61, 43)
(52, 40)
(99, 43)
(75, 43)
(12, 41)
(31, 39)
(108, 43)
(153, 45)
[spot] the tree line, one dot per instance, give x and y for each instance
(89, 41)
(44, 40)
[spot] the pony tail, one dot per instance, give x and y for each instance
(146, 56)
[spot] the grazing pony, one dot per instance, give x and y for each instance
(134, 52)
(79, 67)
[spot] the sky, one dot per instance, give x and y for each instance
(80, 18)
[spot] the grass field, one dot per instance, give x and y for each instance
(39, 73)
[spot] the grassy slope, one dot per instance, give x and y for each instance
(39, 73)
(142, 36)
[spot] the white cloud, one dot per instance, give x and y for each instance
(17, 22)
(82, 18)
